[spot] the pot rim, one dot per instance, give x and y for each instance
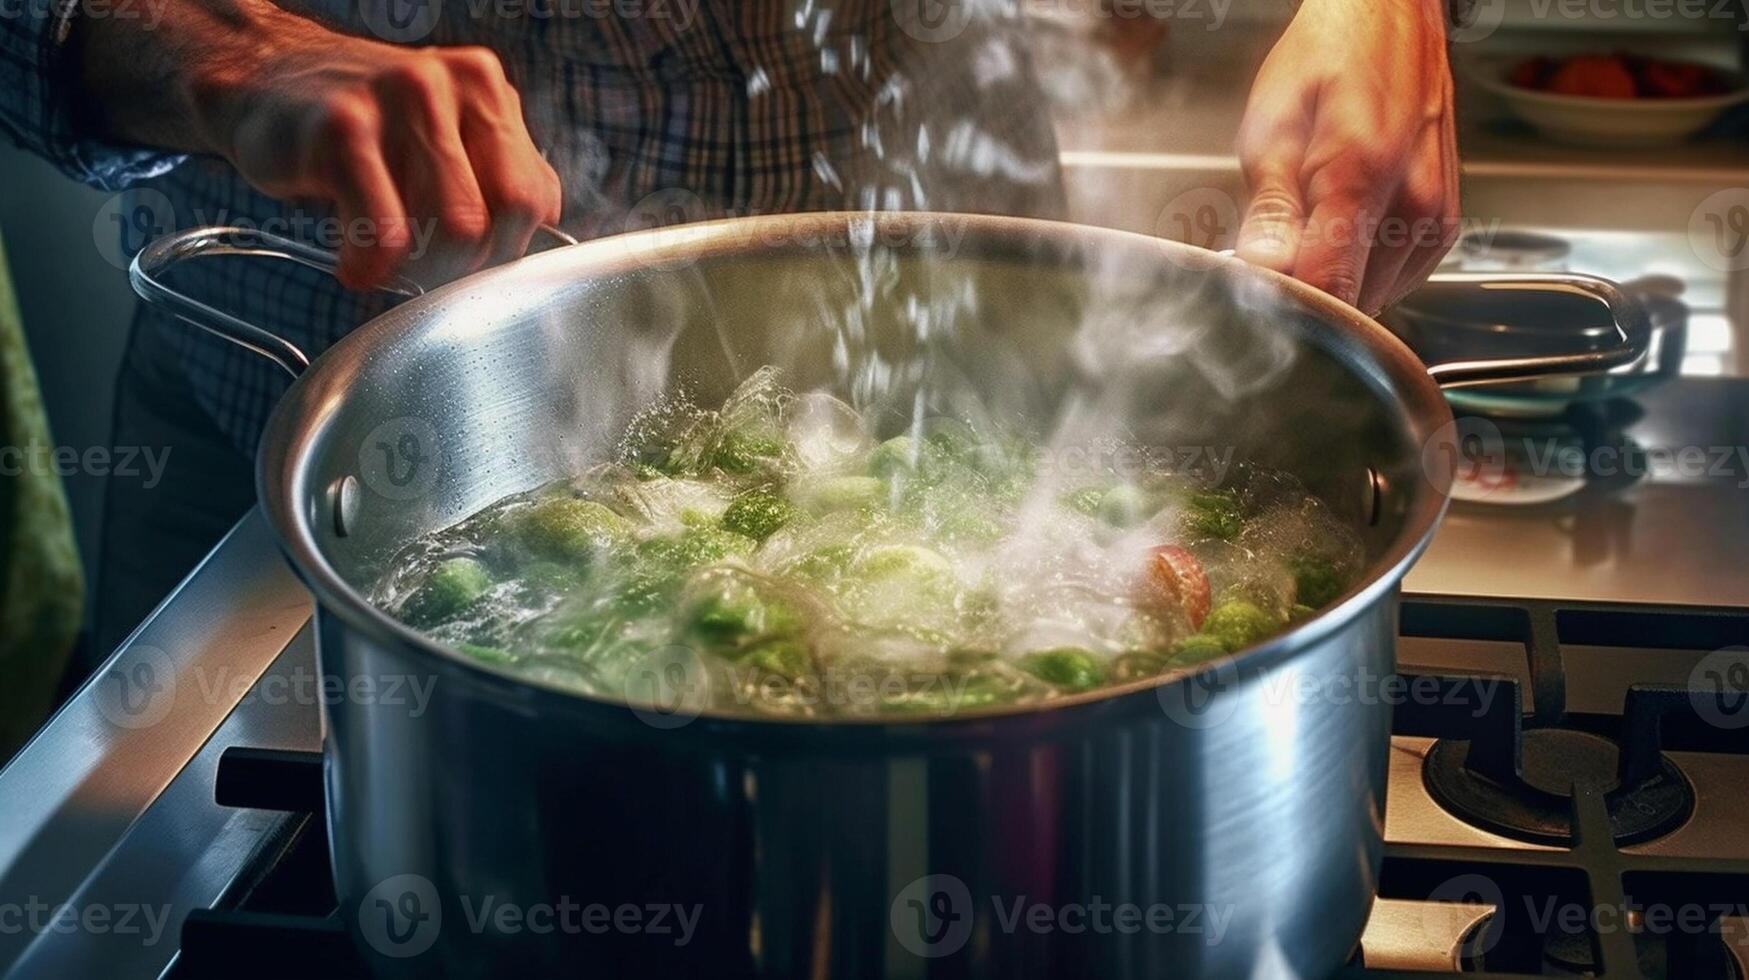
(298, 421)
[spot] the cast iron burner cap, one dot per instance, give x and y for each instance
(1535, 804)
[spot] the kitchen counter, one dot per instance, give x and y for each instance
(1673, 536)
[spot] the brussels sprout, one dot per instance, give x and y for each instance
(578, 628)
(1216, 514)
(1124, 506)
(447, 592)
(568, 528)
(758, 514)
(840, 493)
(742, 452)
(968, 523)
(895, 456)
(784, 656)
(1075, 669)
(1316, 581)
(1197, 649)
(895, 560)
(733, 615)
(658, 566)
(1238, 623)
(823, 564)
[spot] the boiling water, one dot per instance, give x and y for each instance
(781, 555)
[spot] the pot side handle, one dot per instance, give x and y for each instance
(1543, 324)
(148, 267)
(145, 273)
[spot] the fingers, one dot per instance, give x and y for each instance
(1422, 226)
(432, 169)
(1272, 149)
(1336, 246)
(364, 194)
(423, 153)
(520, 189)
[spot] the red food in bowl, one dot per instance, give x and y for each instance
(1617, 76)
(1600, 77)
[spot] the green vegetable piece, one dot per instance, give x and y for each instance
(1238, 623)
(1300, 613)
(1197, 649)
(896, 456)
(447, 592)
(659, 565)
(491, 655)
(895, 560)
(758, 514)
(969, 524)
(840, 493)
(1075, 669)
(947, 694)
(1124, 506)
(1085, 500)
(1216, 514)
(727, 620)
(744, 452)
(569, 529)
(1316, 581)
(784, 656)
(824, 564)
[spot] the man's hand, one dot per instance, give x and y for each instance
(398, 142)
(1349, 147)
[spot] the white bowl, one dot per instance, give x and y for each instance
(1591, 121)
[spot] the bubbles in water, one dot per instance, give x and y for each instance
(791, 549)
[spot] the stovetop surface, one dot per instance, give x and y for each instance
(113, 805)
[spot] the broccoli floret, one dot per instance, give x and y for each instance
(1069, 667)
(1216, 514)
(1316, 581)
(1238, 623)
(758, 514)
(568, 529)
(447, 592)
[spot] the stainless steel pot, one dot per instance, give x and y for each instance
(1224, 824)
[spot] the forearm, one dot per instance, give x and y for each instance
(158, 84)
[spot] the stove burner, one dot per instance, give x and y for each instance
(1534, 803)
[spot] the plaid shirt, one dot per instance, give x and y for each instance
(650, 110)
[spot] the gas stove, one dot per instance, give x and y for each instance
(1569, 782)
